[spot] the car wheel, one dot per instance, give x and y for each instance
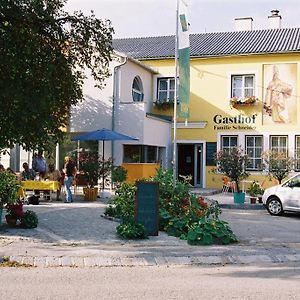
(274, 206)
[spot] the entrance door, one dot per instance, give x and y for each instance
(190, 162)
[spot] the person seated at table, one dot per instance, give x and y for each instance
(54, 175)
(27, 174)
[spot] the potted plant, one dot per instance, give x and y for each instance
(254, 190)
(29, 220)
(231, 162)
(9, 187)
(14, 213)
(94, 168)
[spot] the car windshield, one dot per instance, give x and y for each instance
(293, 182)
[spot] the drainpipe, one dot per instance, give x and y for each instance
(115, 97)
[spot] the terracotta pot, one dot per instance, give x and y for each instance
(11, 220)
(252, 200)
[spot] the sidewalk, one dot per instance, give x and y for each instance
(76, 234)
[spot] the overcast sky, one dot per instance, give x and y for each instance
(140, 18)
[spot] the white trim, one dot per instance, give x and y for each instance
(191, 125)
(244, 72)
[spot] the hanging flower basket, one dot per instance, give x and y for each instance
(248, 101)
(164, 104)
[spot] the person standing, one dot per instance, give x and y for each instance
(70, 171)
(55, 175)
(39, 164)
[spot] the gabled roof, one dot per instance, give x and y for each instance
(265, 41)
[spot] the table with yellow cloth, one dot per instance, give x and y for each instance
(32, 185)
(46, 185)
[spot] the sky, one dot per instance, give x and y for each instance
(142, 18)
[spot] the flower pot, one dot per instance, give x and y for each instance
(253, 200)
(239, 197)
(90, 194)
(11, 220)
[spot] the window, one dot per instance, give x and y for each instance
(228, 142)
(254, 151)
(242, 86)
(297, 153)
(137, 90)
(140, 154)
(279, 143)
(166, 90)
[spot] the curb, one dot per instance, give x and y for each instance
(97, 261)
(243, 206)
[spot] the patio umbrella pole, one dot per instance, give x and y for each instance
(103, 165)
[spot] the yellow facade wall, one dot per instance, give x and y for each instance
(210, 92)
(137, 171)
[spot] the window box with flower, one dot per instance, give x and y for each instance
(247, 101)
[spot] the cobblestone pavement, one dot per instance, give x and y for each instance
(78, 235)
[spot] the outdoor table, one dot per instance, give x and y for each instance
(46, 185)
(34, 185)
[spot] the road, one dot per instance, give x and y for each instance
(185, 282)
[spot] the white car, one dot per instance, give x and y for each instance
(283, 197)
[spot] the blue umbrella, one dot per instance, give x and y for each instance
(103, 135)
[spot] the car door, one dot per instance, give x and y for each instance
(291, 192)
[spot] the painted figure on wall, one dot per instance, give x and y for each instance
(279, 102)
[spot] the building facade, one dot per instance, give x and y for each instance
(244, 92)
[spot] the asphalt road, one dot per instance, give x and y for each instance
(184, 282)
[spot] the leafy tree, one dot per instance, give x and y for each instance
(278, 164)
(232, 164)
(44, 52)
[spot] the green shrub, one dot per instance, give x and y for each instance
(30, 219)
(119, 174)
(209, 231)
(110, 211)
(130, 229)
(9, 187)
(124, 201)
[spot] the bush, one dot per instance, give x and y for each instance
(131, 230)
(119, 174)
(123, 203)
(30, 219)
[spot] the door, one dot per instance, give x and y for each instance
(190, 162)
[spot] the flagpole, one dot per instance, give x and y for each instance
(175, 103)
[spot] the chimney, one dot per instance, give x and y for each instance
(274, 20)
(242, 24)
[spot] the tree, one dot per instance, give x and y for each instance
(44, 52)
(232, 164)
(278, 164)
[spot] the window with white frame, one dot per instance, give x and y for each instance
(279, 143)
(228, 142)
(297, 153)
(165, 89)
(242, 86)
(137, 90)
(254, 148)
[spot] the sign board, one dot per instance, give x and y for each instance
(146, 206)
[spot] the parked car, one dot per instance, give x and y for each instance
(283, 197)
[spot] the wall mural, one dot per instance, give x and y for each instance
(279, 94)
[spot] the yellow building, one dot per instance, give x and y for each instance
(244, 92)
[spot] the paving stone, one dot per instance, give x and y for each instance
(251, 259)
(66, 261)
(40, 261)
(53, 261)
(90, 261)
(178, 260)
